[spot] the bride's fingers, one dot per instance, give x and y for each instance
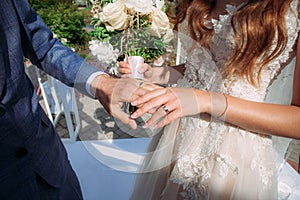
(153, 110)
(168, 119)
(160, 114)
(156, 101)
(123, 64)
(146, 108)
(140, 91)
(125, 70)
(148, 96)
(157, 116)
(150, 86)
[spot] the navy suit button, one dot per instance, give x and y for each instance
(21, 152)
(2, 110)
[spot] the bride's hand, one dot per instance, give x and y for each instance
(125, 70)
(168, 104)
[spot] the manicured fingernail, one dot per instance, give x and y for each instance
(146, 125)
(134, 115)
(134, 103)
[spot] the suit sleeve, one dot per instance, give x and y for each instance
(49, 53)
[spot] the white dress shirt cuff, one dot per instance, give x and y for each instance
(90, 80)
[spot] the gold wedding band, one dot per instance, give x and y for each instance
(165, 108)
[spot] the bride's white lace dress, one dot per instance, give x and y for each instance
(211, 159)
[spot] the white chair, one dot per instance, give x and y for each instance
(60, 99)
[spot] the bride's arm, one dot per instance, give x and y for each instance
(270, 119)
(264, 118)
(281, 120)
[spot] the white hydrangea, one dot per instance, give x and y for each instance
(104, 52)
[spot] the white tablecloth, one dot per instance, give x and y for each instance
(105, 168)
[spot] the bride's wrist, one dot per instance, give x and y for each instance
(218, 105)
(204, 101)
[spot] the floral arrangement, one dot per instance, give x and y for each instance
(129, 27)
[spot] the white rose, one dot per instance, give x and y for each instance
(160, 23)
(141, 6)
(114, 16)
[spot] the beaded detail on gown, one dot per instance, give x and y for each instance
(215, 160)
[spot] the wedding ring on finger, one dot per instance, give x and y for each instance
(165, 108)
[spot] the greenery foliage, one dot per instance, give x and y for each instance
(134, 40)
(65, 20)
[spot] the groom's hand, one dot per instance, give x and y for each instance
(112, 93)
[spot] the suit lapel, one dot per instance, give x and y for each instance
(7, 15)
(8, 9)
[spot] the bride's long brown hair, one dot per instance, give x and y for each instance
(256, 25)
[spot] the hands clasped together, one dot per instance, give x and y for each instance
(164, 104)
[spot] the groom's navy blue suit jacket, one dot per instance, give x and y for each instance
(28, 143)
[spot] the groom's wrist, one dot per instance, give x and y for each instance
(94, 83)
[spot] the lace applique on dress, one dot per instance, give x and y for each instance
(214, 152)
